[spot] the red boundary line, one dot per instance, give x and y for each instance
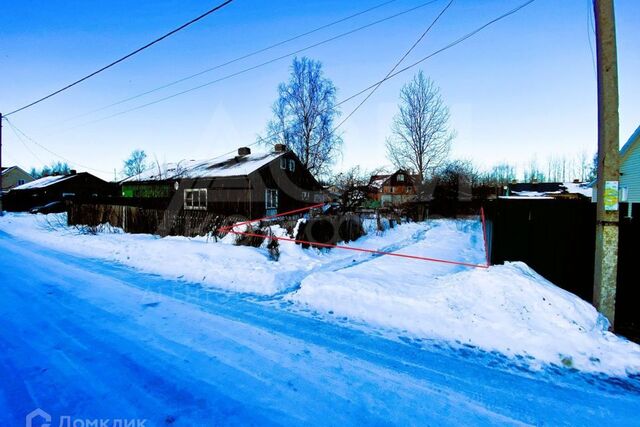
(371, 251)
(227, 228)
(484, 234)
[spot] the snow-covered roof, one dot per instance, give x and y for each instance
(217, 167)
(43, 182)
(377, 181)
(581, 188)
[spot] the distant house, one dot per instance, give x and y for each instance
(55, 189)
(14, 176)
(249, 184)
(630, 168)
(394, 189)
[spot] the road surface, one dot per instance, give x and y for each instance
(90, 340)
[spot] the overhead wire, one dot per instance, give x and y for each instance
(397, 64)
(232, 61)
(254, 67)
(127, 56)
(15, 128)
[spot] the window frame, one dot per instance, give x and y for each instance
(292, 165)
(200, 205)
(400, 177)
(271, 198)
(283, 163)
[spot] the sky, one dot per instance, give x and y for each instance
(523, 88)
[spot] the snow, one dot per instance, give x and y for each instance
(217, 167)
(579, 188)
(89, 339)
(566, 187)
(507, 308)
(42, 182)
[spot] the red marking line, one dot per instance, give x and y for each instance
(329, 245)
(227, 228)
(484, 234)
(371, 251)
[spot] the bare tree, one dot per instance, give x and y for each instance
(304, 114)
(499, 175)
(135, 164)
(420, 136)
(532, 172)
(353, 186)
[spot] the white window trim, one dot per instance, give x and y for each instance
(199, 192)
(400, 177)
(283, 163)
(271, 202)
(292, 165)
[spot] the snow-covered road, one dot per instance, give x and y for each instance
(89, 339)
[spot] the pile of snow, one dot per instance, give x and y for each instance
(508, 308)
(217, 264)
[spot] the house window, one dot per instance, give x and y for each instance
(195, 199)
(401, 177)
(305, 195)
(292, 165)
(20, 181)
(283, 163)
(271, 198)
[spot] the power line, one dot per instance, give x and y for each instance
(35, 156)
(117, 61)
(394, 74)
(422, 36)
(408, 67)
(390, 76)
(245, 70)
(15, 128)
(232, 61)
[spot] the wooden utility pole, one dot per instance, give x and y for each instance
(606, 256)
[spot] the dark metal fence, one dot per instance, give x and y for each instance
(557, 239)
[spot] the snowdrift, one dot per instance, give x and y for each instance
(507, 308)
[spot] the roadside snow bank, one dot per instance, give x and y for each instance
(216, 264)
(507, 308)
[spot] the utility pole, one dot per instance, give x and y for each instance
(606, 256)
(1, 194)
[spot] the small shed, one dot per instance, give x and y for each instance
(57, 188)
(250, 184)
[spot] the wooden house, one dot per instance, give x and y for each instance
(630, 169)
(56, 189)
(14, 176)
(253, 185)
(394, 189)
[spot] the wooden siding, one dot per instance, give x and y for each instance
(12, 176)
(630, 173)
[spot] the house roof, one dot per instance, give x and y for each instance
(548, 189)
(6, 170)
(43, 182)
(378, 181)
(217, 167)
(634, 138)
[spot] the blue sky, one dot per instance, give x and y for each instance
(524, 87)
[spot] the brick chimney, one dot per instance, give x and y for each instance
(280, 148)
